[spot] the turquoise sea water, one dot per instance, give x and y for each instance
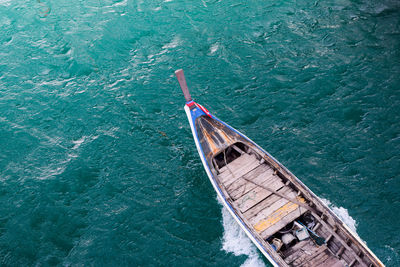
(97, 162)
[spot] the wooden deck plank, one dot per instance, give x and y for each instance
(327, 260)
(231, 177)
(240, 182)
(264, 178)
(237, 168)
(283, 221)
(256, 195)
(315, 261)
(238, 162)
(272, 205)
(274, 214)
(293, 252)
(298, 250)
(265, 203)
(268, 211)
(346, 256)
(307, 253)
(262, 169)
(318, 257)
(333, 262)
(334, 245)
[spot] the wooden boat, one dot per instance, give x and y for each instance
(288, 223)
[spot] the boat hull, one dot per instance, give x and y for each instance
(216, 137)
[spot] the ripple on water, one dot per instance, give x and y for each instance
(89, 102)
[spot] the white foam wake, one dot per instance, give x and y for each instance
(234, 240)
(343, 214)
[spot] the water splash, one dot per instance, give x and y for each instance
(234, 240)
(343, 214)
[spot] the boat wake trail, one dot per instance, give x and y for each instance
(234, 240)
(343, 214)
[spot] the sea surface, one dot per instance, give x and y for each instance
(97, 162)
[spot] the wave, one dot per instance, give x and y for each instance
(343, 214)
(234, 240)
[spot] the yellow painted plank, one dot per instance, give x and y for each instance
(277, 215)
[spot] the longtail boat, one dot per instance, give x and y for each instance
(287, 222)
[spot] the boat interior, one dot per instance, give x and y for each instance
(274, 205)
